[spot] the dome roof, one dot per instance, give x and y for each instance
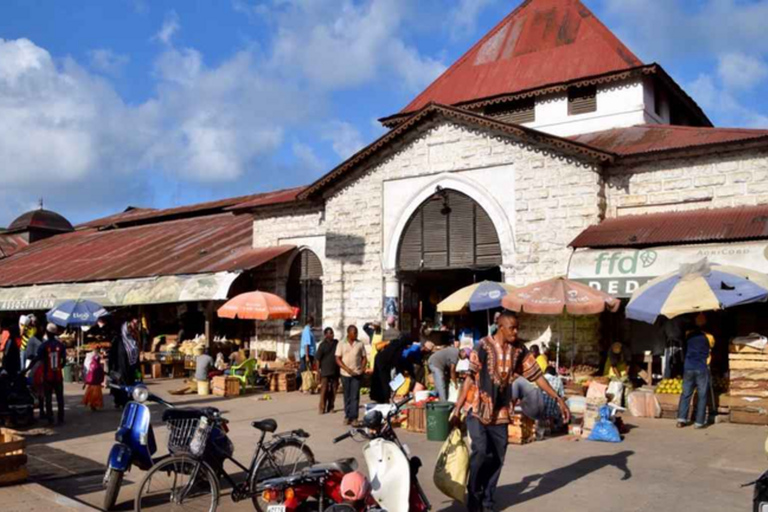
(40, 219)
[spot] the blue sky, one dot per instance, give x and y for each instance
(159, 103)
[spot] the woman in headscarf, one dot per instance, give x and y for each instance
(124, 359)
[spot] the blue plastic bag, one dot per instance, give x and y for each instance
(604, 430)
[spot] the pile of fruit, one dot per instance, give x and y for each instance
(670, 387)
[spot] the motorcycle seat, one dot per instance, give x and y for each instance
(342, 465)
(268, 425)
(189, 413)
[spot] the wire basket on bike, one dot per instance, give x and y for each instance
(188, 435)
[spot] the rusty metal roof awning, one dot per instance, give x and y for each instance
(686, 227)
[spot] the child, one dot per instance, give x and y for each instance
(94, 378)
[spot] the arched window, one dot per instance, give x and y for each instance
(305, 285)
(449, 230)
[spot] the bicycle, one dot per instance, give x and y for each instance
(190, 480)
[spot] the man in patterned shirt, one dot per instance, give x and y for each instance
(496, 363)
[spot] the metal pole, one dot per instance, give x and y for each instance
(573, 342)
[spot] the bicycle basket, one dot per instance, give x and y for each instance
(189, 435)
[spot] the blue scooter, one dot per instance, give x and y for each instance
(134, 440)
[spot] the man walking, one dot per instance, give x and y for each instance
(329, 371)
(350, 356)
(696, 373)
(496, 363)
(307, 348)
(53, 355)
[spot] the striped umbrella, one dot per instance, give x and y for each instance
(480, 296)
(697, 287)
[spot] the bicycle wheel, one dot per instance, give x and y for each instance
(177, 484)
(284, 458)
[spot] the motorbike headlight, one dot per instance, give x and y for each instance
(140, 394)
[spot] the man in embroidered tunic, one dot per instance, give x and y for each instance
(496, 362)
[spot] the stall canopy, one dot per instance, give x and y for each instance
(620, 255)
(194, 259)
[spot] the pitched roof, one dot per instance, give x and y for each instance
(214, 243)
(655, 138)
(695, 226)
(270, 198)
(10, 243)
(147, 215)
(541, 42)
(434, 111)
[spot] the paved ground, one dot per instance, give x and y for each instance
(657, 467)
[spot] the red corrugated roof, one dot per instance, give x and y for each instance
(636, 140)
(541, 42)
(272, 198)
(145, 215)
(213, 243)
(10, 243)
(695, 226)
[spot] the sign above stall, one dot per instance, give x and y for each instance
(621, 271)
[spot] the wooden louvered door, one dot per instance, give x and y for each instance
(449, 231)
(305, 285)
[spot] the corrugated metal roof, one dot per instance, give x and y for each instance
(40, 219)
(641, 139)
(10, 243)
(189, 246)
(695, 226)
(271, 198)
(541, 42)
(146, 215)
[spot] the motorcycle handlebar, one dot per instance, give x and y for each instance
(343, 437)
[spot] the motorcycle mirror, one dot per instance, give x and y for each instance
(140, 394)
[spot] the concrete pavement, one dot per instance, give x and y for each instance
(657, 467)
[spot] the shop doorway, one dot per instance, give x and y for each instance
(448, 243)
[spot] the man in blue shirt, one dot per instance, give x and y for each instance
(696, 373)
(307, 348)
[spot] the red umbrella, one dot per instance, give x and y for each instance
(256, 306)
(558, 295)
(554, 296)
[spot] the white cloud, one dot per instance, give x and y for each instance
(107, 61)
(170, 27)
(338, 44)
(721, 102)
(664, 28)
(345, 139)
(307, 158)
(739, 71)
(464, 17)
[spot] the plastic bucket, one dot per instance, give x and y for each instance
(438, 414)
(203, 387)
(67, 373)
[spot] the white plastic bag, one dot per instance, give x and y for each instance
(453, 393)
(615, 388)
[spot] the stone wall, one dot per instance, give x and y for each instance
(712, 181)
(556, 197)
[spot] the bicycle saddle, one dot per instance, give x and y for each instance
(268, 425)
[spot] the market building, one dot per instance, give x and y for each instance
(547, 149)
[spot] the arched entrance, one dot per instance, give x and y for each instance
(305, 285)
(449, 242)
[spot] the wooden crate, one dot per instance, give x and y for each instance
(282, 382)
(748, 372)
(417, 419)
(226, 386)
(521, 430)
(13, 457)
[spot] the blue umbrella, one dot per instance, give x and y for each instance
(695, 288)
(477, 297)
(76, 313)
